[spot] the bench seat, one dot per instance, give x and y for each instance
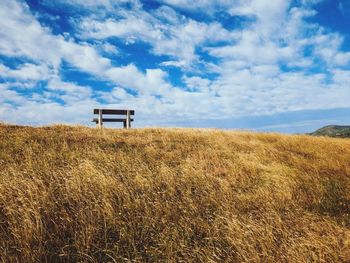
(111, 120)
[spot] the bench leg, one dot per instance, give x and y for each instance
(100, 118)
(127, 119)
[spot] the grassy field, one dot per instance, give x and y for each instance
(71, 194)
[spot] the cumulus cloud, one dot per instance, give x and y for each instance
(25, 72)
(177, 38)
(279, 62)
(23, 36)
(92, 5)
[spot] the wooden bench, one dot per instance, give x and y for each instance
(126, 121)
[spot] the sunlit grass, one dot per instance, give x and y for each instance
(172, 195)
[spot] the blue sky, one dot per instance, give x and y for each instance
(281, 65)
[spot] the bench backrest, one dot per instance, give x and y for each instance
(114, 112)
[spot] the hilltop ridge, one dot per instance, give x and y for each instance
(333, 131)
(73, 194)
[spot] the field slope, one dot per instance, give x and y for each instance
(71, 194)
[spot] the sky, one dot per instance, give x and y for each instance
(281, 65)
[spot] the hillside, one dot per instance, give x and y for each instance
(71, 194)
(333, 131)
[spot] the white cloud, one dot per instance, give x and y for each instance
(174, 63)
(206, 6)
(109, 49)
(25, 72)
(197, 84)
(152, 82)
(109, 5)
(23, 36)
(178, 38)
(70, 92)
(36, 113)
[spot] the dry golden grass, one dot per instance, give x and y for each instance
(71, 194)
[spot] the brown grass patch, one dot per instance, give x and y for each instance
(71, 194)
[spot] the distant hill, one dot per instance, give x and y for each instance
(333, 131)
(74, 194)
